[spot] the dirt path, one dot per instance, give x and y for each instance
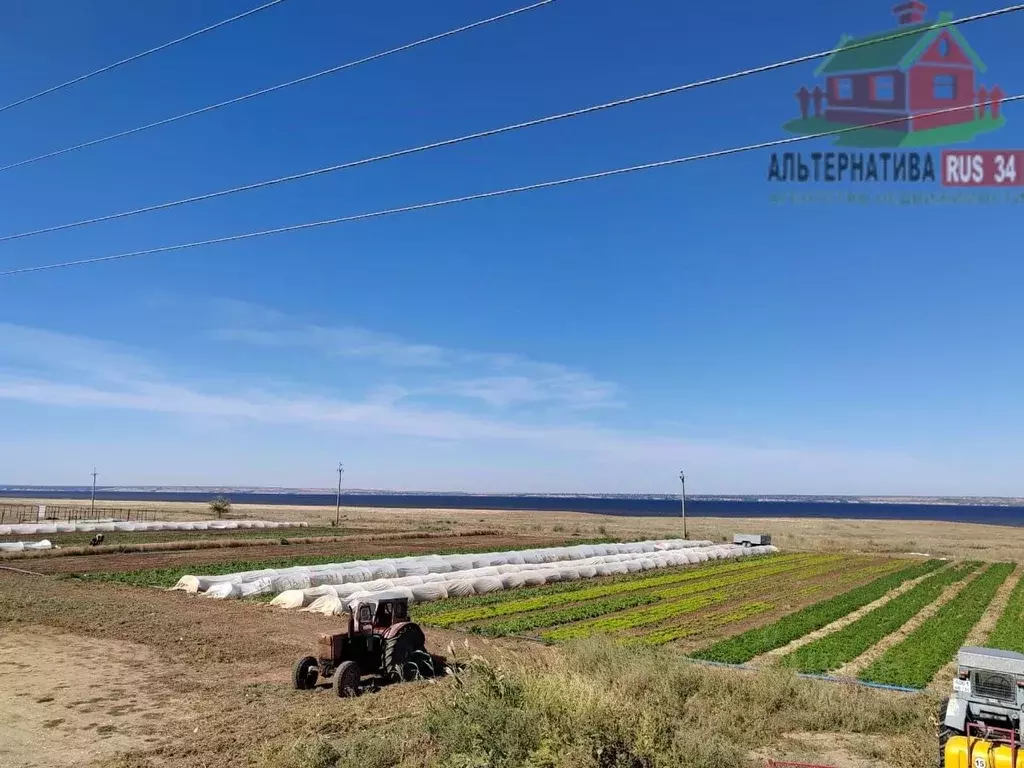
(68, 700)
(943, 680)
(135, 561)
(853, 668)
(773, 656)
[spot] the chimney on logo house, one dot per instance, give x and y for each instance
(911, 12)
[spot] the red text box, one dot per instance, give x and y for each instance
(982, 168)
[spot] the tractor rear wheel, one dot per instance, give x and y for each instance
(305, 673)
(346, 679)
(945, 733)
(402, 650)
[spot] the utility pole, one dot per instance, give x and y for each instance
(92, 498)
(682, 501)
(337, 505)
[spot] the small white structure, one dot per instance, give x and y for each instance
(752, 539)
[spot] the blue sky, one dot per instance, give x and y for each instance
(590, 338)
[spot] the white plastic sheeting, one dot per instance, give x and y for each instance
(332, 600)
(328, 588)
(91, 526)
(24, 546)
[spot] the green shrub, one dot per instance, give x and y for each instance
(606, 706)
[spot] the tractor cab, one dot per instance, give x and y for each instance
(375, 616)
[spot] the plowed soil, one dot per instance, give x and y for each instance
(135, 561)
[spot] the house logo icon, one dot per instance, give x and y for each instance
(920, 67)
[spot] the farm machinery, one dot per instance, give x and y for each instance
(379, 641)
(982, 724)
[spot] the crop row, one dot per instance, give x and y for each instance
(834, 650)
(637, 581)
(588, 591)
(681, 601)
(553, 617)
(690, 628)
(639, 618)
(578, 612)
(914, 662)
(1009, 630)
(746, 646)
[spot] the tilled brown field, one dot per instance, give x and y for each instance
(356, 548)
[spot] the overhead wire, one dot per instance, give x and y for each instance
(501, 192)
(278, 87)
(141, 55)
(509, 128)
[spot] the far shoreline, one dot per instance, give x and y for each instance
(985, 511)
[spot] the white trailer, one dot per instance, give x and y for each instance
(752, 539)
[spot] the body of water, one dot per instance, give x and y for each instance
(635, 506)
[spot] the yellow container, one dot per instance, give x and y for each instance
(962, 752)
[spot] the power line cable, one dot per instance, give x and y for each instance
(501, 192)
(504, 129)
(273, 88)
(138, 56)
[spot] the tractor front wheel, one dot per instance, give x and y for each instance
(305, 673)
(346, 679)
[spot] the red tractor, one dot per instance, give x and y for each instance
(379, 641)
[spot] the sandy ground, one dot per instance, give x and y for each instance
(957, 540)
(68, 700)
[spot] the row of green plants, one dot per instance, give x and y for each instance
(914, 661)
(744, 647)
(526, 622)
(701, 625)
(638, 618)
(677, 602)
(466, 607)
(578, 612)
(587, 590)
(1008, 632)
(834, 650)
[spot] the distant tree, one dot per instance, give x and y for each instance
(220, 506)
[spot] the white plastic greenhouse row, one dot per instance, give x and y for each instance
(336, 599)
(22, 546)
(303, 577)
(91, 526)
(274, 581)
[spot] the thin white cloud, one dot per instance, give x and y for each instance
(108, 377)
(37, 349)
(498, 379)
(389, 419)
